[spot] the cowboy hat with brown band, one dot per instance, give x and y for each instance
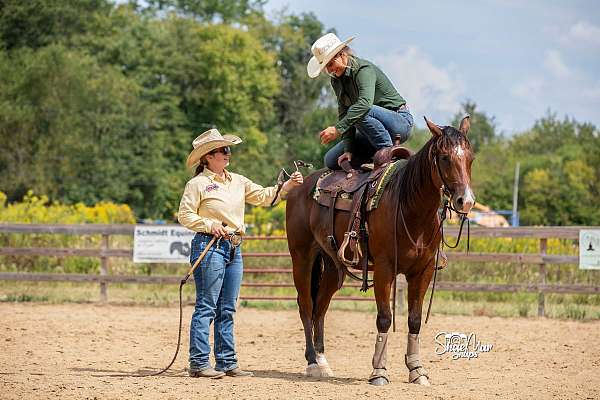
(207, 142)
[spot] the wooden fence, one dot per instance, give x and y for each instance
(105, 253)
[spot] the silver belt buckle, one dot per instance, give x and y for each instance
(235, 240)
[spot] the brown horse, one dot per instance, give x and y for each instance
(403, 236)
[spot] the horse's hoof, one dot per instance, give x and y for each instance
(418, 376)
(379, 377)
(326, 371)
(313, 371)
(422, 380)
(380, 381)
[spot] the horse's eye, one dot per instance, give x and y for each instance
(444, 158)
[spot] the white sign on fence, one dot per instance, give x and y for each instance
(589, 249)
(161, 244)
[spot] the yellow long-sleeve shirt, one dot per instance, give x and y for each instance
(208, 198)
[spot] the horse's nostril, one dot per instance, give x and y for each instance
(460, 201)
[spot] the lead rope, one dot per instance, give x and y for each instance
(183, 282)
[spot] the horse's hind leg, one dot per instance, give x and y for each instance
(303, 269)
(417, 287)
(329, 284)
(382, 284)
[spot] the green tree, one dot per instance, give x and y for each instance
(100, 101)
(566, 192)
(37, 23)
(226, 11)
(66, 125)
(303, 106)
(483, 127)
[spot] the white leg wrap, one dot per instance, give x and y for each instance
(380, 358)
(417, 374)
(380, 355)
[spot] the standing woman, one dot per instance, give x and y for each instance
(212, 198)
(371, 112)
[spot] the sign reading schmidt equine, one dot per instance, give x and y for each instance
(589, 249)
(161, 243)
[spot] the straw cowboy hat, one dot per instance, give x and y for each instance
(324, 49)
(207, 142)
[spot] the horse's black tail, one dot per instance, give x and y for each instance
(315, 277)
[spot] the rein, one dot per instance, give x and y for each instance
(283, 174)
(447, 206)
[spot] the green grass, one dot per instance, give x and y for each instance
(445, 303)
(520, 304)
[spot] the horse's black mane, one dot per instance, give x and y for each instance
(410, 180)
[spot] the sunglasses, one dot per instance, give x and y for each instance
(225, 150)
(332, 61)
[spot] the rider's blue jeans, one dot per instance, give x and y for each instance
(374, 131)
(218, 279)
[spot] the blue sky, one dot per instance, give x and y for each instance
(515, 59)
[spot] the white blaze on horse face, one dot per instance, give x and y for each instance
(459, 151)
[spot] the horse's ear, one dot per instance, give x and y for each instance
(465, 125)
(435, 130)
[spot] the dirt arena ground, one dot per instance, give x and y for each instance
(94, 352)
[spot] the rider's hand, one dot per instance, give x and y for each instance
(218, 230)
(344, 157)
(296, 179)
(329, 134)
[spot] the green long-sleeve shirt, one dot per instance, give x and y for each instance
(361, 86)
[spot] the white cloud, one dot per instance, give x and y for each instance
(584, 32)
(591, 92)
(429, 90)
(553, 62)
(530, 89)
(537, 94)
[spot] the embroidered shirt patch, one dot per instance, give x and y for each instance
(211, 187)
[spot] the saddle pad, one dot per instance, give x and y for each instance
(383, 181)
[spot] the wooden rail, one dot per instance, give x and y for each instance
(105, 253)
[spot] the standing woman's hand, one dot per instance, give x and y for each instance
(218, 230)
(296, 179)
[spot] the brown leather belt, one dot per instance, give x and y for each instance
(234, 238)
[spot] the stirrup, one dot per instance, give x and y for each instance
(357, 252)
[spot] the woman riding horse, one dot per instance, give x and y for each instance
(371, 111)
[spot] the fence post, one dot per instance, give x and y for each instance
(104, 268)
(399, 294)
(541, 295)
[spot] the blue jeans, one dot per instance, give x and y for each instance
(218, 279)
(374, 131)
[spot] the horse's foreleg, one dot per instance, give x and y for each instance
(327, 288)
(417, 287)
(302, 280)
(382, 285)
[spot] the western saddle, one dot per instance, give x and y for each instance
(357, 191)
